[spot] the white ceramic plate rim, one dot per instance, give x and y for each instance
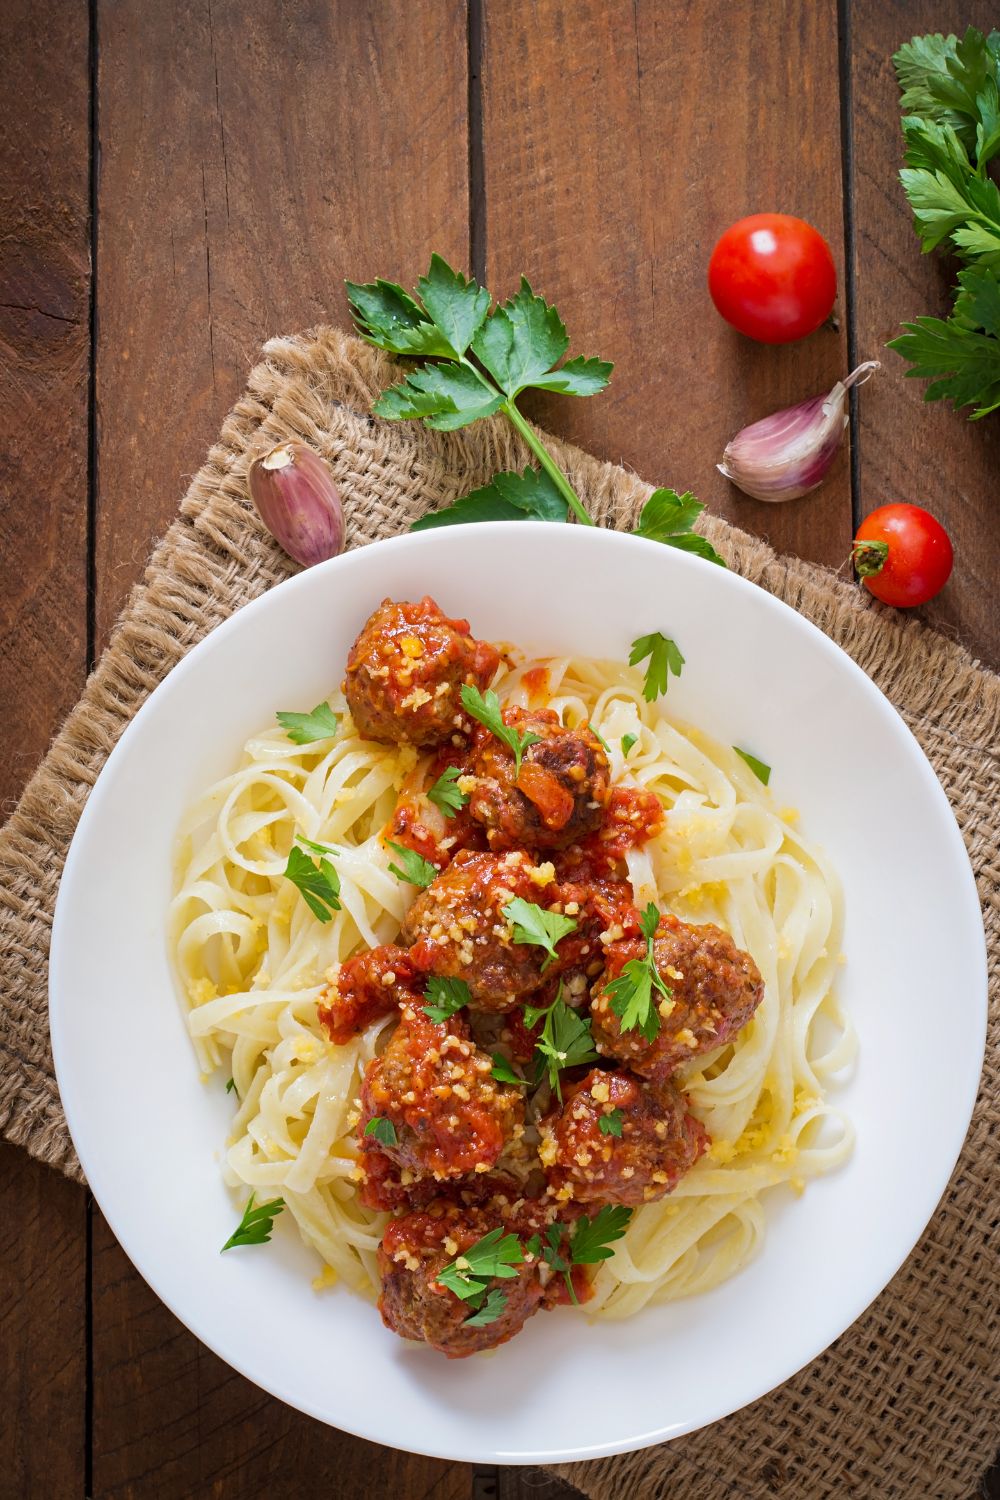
(922, 1203)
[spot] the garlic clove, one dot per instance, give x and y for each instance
(784, 456)
(298, 502)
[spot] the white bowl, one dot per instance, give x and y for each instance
(149, 1133)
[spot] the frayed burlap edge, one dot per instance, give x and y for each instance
(905, 1403)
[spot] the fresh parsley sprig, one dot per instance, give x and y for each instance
(486, 357)
(533, 924)
(444, 998)
(589, 1242)
(315, 877)
(504, 1072)
(565, 1040)
(446, 795)
(664, 657)
(496, 1256)
(611, 1123)
(951, 100)
(630, 995)
(760, 768)
(486, 708)
(256, 1224)
(412, 867)
(380, 1128)
(305, 729)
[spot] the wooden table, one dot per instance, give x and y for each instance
(180, 181)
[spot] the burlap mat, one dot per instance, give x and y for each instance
(905, 1404)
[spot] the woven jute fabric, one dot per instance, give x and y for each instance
(906, 1403)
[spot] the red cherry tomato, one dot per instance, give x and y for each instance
(902, 555)
(772, 277)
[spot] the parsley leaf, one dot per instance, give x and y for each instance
(413, 868)
(445, 997)
(256, 1224)
(496, 1255)
(458, 307)
(592, 1238)
(630, 995)
(668, 517)
(523, 339)
(303, 729)
(389, 318)
(611, 1123)
(531, 496)
(533, 924)
(445, 793)
(963, 351)
(598, 736)
(231, 1087)
(758, 767)
(317, 881)
(381, 1129)
(628, 740)
(491, 1310)
(486, 708)
(503, 1072)
(443, 396)
(566, 1041)
(947, 81)
(664, 658)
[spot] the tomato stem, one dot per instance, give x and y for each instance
(870, 558)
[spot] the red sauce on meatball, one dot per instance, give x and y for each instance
(367, 986)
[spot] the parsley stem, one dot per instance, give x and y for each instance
(551, 468)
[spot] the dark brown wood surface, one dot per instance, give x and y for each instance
(240, 161)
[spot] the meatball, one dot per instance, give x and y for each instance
(657, 1141)
(458, 929)
(416, 1248)
(558, 796)
(448, 1114)
(365, 987)
(406, 670)
(715, 989)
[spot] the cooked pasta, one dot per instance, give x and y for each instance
(251, 959)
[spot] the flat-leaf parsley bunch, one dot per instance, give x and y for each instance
(951, 99)
(478, 359)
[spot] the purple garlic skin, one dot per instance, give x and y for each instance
(786, 455)
(298, 502)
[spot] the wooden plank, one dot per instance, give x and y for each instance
(44, 365)
(251, 158)
(620, 140)
(42, 1329)
(44, 362)
(909, 450)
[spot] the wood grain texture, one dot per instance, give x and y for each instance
(621, 137)
(44, 364)
(911, 450)
(251, 158)
(42, 1329)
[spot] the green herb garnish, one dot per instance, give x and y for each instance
(486, 708)
(533, 924)
(303, 729)
(491, 1310)
(630, 995)
(669, 518)
(445, 997)
(316, 879)
(256, 1224)
(565, 1041)
(628, 740)
(496, 1255)
(664, 658)
(503, 1072)
(231, 1086)
(382, 1129)
(611, 1123)
(951, 125)
(445, 793)
(531, 496)
(592, 1238)
(758, 767)
(412, 868)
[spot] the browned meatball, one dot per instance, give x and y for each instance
(406, 670)
(435, 1087)
(415, 1248)
(715, 989)
(367, 986)
(559, 795)
(657, 1141)
(458, 929)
